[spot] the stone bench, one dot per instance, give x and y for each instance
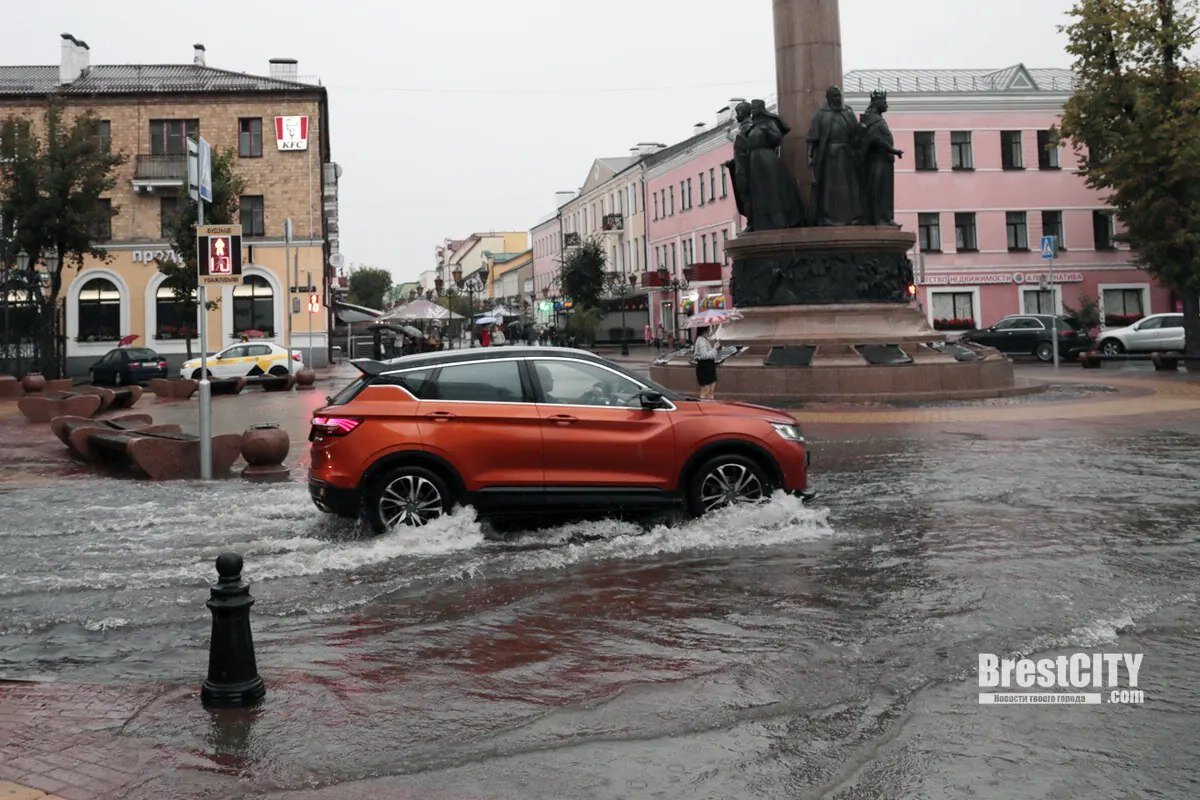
(45, 407)
(10, 388)
(79, 440)
(173, 388)
(219, 386)
(276, 383)
(161, 456)
(61, 427)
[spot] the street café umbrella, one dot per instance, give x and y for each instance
(421, 309)
(487, 320)
(713, 316)
(409, 330)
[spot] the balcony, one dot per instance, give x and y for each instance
(703, 272)
(656, 278)
(612, 223)
(154, 173)
(571, 240)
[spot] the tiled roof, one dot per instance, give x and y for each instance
(140, 78)
(1017, 78)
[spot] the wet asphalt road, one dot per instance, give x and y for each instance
(772, 652)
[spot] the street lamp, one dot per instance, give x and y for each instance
(472, 285)
(623, 285)
(677, 285)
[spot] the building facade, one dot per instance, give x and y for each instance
(276, 126)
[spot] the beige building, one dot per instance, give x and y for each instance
(277, 128)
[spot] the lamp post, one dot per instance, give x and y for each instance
(623, 285)
(677, 285)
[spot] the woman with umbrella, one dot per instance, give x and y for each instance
(705, 356)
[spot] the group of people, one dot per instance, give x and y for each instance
(530, 334)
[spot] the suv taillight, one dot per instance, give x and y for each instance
(332, 426)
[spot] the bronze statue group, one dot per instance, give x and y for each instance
(852, 159)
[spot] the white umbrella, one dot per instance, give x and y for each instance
(486, 320)
(713, 316)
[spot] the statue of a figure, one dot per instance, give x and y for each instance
(832, 144)
(879, 163)
(772, 196)
(739, 165)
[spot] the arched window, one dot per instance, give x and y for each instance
(99, 311)
(173, 320)
(253, 306)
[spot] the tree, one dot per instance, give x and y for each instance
(50, 199)
(368, 285)
(582, 275)
(1132, 121)
(227, 188)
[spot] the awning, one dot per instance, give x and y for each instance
(350, 314)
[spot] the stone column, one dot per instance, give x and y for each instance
(808, 60)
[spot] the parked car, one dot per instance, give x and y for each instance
(127, 365)
(532, 430)
(1150, 334)
(246, 359)
(1029, 334)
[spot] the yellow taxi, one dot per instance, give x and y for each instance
(246, 360)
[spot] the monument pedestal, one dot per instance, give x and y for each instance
(826, 317)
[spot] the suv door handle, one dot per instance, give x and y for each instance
(563, 419)
(441, 416)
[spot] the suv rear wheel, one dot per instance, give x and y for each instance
(1112, 347)
(726, 480)
(1044, 351)
(411, 495)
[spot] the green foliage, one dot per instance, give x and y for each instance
(50, 189)
(582, 276)
(1133, 123)
(1088, 313)
(368, 285)
(582, 323)
(227, 187)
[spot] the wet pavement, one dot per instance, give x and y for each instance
(774, 652)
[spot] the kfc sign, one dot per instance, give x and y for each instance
(291, 133)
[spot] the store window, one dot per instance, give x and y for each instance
(1039, 301)
(253, 306)
(99, 311)
(952, 310)
(1123, 306)
(170, 320)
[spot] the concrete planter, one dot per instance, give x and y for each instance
(265, 447)
(305, 378)
(33, 382)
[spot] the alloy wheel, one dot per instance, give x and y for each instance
(410, 500)
(730, 483)
(1111, 347)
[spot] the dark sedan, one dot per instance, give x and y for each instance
(1029, 335)
(127, 365)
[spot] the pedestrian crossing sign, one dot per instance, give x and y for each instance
(1048, 248)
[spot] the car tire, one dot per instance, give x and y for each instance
(92, 377)
(196, 374)
(278, 371)
(1111, 347)
(724, 480)
(1044, 351)
(410, 495)
(116, 379)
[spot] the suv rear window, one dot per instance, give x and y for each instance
(1173, 321)
(494, 382)
(417, 382)
(350, 392)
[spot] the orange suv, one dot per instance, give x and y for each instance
(533, 430)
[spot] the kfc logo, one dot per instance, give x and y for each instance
(291, 133)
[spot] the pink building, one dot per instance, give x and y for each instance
(979, 186)
(690, 215)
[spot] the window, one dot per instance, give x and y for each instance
(102, 134)
(251, 215)
(704, 248)
(102, 224)
(1047, 150)
(576, 383)
(923, 142)
(486, 382)
(673, 261)
(1052, 225)
(1010, 150)
(1102, 229)
(656, 205)
(725, 241)
(168, 213)
(250, 137)
(237, 351)
(712, 184)
(672, 188)
(1124, 304)
(99, 311)
(701, 188)
(724, 182)
(253, 306)
(953, 305)
(416, 382)
(1018, 230)
(168, 137)
(960, 150)
(930, 227)
(1039, 301)
(965, 239)
(170, 321)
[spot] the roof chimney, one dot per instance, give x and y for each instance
(562, 198)
(699, 127)
(284, 69)
(198, 55)
(649, 148)
(76, 58)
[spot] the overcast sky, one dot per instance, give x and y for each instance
(455, 116)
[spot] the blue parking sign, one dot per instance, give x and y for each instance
(1048, 248)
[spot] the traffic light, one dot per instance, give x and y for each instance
(314, 303)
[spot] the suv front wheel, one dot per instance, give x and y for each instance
(412, 496)
(726, 480)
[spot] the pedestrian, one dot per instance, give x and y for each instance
(648, 334)
(498, 338)
(705, 356)
(530, 335)
(485, 337)
(660, 337)
(434, 342)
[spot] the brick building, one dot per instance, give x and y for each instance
(277, 128)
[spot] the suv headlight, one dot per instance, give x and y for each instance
(789, 432)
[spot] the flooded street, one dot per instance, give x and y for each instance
(775, 651)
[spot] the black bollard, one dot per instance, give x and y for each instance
(233, 680)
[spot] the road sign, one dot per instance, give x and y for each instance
(204, 168)
(314, 303)
(1048, 248)
(220, 254)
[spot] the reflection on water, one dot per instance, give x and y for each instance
(773, 651)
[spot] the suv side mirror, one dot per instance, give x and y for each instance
(651, 400)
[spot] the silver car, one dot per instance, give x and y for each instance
(1154, 333)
